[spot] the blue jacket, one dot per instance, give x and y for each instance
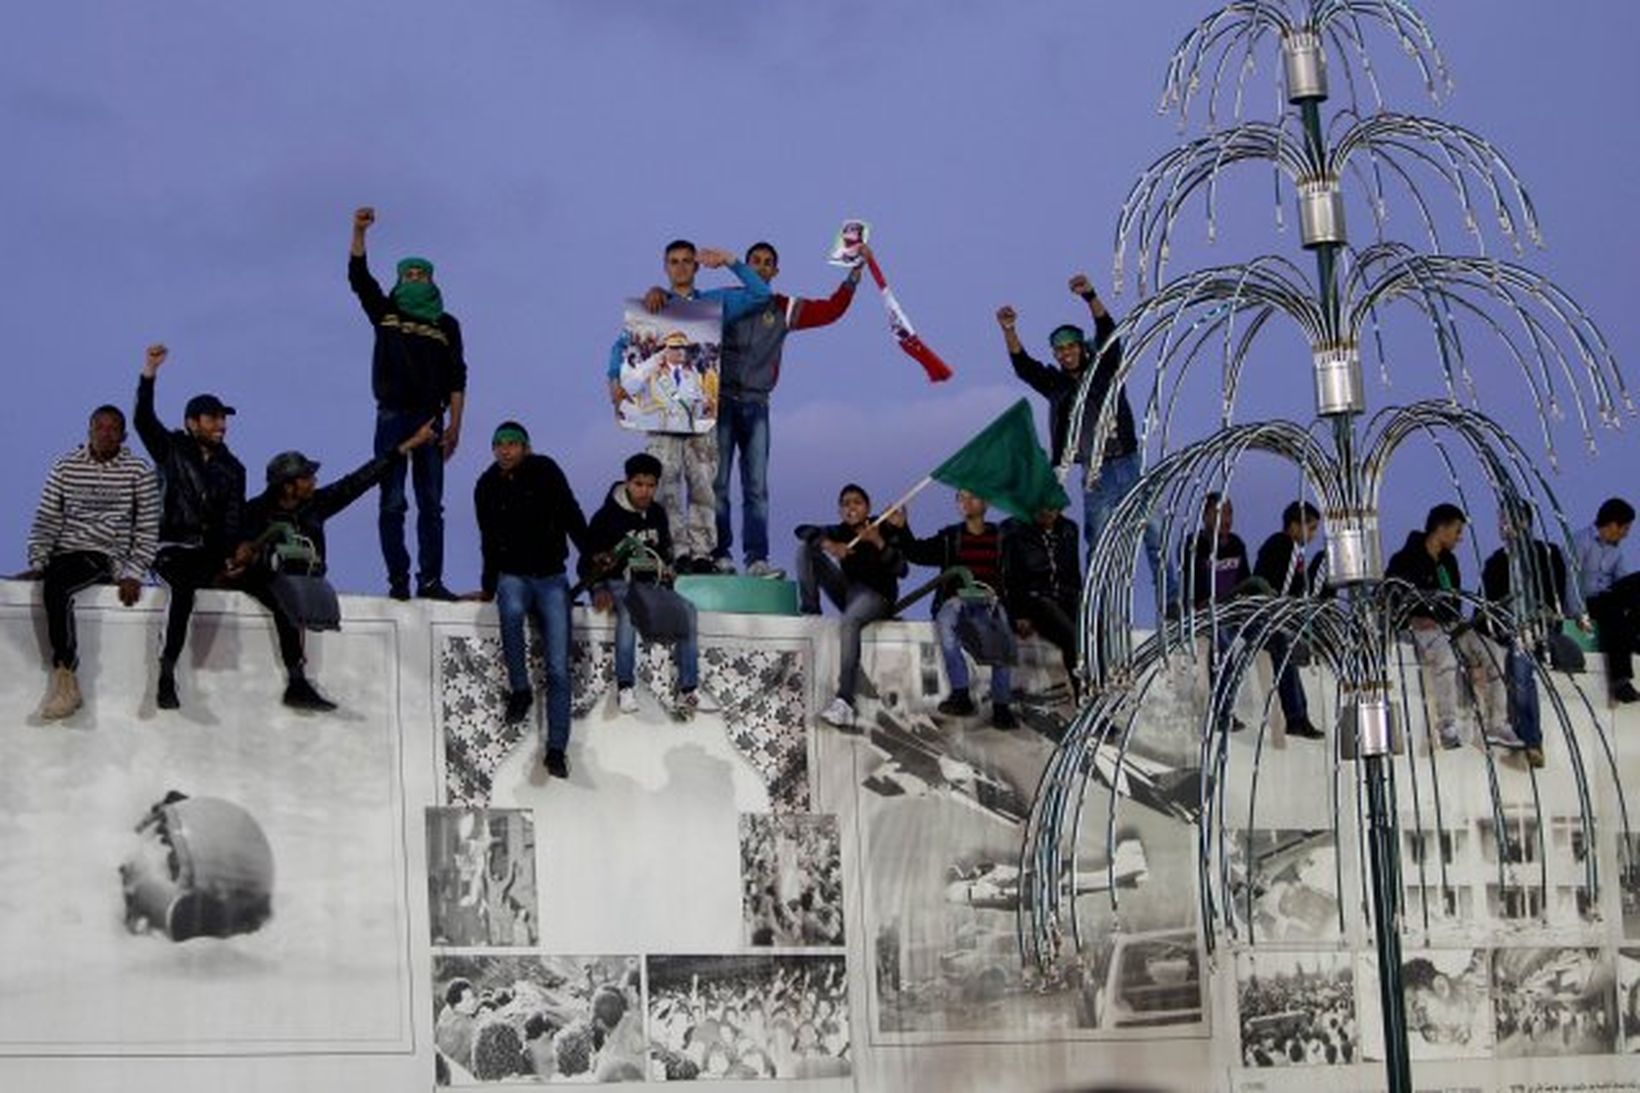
(738, 301)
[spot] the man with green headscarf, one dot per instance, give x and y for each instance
(418, 372)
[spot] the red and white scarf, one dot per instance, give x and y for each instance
(904, 333)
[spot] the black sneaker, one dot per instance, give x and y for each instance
(557, 763)
(518, 706)
(300, 695)
(435, 590)
(1301, 728)
(1002, 717)
(165, 695)
(398, 591)
(1624, 692)
(958, 704)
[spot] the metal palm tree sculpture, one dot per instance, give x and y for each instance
(1478, 310)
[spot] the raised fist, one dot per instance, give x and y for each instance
(1081, 286)
(153, 357)
(1007, 317)
(363, 217)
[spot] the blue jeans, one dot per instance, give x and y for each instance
(743, 426)
(818, 572)
(1295, 705)
(956, 664)
(1116, 478)
(547, 598)
(1520, 677)
(394, 427)
(687, 651)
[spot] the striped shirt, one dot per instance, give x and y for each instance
(982, 554)
(107, 508)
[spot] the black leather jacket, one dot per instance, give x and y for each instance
(204, 499)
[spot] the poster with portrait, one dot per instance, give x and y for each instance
(668, 376)
(846, 244)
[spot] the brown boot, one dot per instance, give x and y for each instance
(71, 690)
(63, 696)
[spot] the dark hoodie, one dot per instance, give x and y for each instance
(618, 518)
(1413, 565)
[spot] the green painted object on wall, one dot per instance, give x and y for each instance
(739, 595)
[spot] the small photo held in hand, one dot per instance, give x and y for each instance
(845, 246)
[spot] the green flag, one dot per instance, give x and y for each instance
(1005, 464)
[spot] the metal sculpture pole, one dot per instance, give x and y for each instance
(1562, 360)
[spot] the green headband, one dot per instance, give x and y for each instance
(1065, 335)
(415, 263)
(509, 434)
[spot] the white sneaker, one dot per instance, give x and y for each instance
(838, 713)
(1505, 737)
(1449, 737)
(626, 700)
(688, 703)
(761, 568)
(725, 565)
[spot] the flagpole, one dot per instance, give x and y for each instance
(900, 504)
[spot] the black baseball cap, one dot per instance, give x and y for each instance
(289, 466)
(206, 404)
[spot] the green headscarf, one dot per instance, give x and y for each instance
(418, 299)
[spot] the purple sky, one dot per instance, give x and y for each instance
(186, 172)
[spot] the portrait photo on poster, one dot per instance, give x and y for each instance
(670, 362)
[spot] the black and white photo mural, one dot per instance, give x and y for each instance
(481, 878)
(238, 866)
(506, 1019)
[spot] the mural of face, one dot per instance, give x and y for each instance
(200, 867)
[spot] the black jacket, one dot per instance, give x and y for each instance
(942, 550)
(204, 502)
(308, 519)
(1413, 565)
(1280, 564)
(1547, 576)
(1041, 563)
(415, 366)
(877, 569)
(1059, 388)
(526, 520)
(615, 520)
